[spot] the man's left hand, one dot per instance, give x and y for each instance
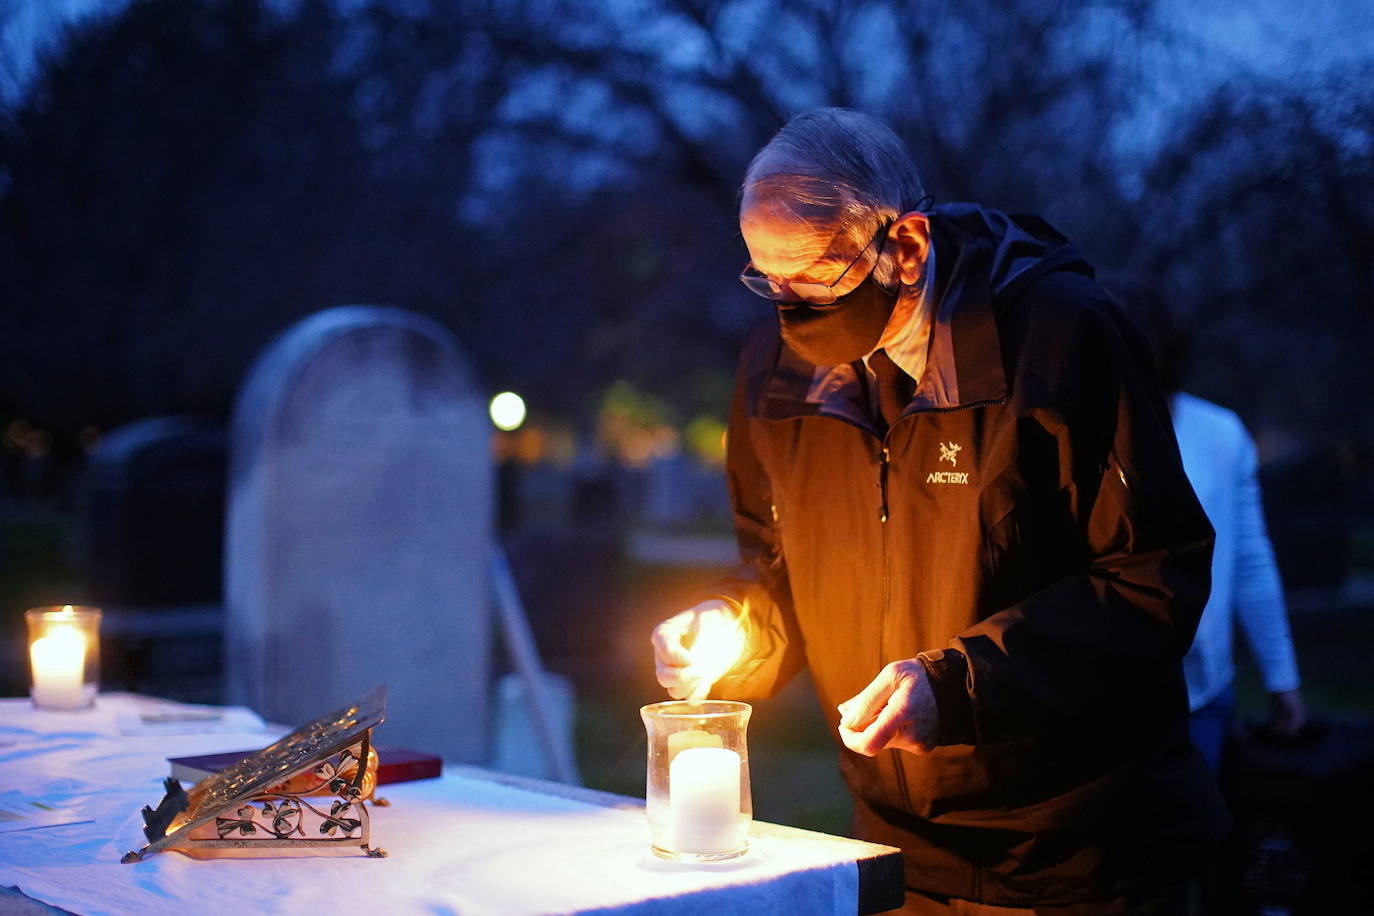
(896, 710)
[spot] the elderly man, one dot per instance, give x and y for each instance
(959, 500)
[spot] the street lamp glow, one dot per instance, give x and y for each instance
(507, 410)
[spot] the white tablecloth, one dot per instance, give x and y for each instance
(458, 844)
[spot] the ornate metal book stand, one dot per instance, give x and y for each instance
(262, 804)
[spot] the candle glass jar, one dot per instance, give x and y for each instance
(64, 656)
(697, 791)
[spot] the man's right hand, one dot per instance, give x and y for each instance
(692, 650)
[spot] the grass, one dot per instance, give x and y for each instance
(36, 568)
(1334, 650)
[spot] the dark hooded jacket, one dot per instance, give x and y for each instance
(1026, 523)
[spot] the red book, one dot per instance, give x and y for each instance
(394, 764)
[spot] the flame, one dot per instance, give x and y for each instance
(718, 646)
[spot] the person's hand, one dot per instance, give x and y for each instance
(1287, 714)
(693, 649)
(896, 710)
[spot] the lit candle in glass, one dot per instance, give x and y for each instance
(697, 790)
(58, 662)
(63, 653)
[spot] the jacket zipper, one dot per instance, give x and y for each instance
(884, 456)
(884, 462)
(990, 402)
(884, 459)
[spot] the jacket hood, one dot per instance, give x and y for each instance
(1010, 249)
(983, 259)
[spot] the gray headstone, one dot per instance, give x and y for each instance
(358, 530)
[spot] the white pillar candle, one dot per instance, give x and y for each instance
(703, 800)
(59, 661)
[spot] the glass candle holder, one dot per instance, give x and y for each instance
(64, 656)
(697, 791)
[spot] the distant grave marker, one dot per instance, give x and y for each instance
(359, 529)
(154, 513)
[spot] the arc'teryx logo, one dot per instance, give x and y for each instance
(949, 452)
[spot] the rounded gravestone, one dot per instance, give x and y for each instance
(358, 530)
(154, 513)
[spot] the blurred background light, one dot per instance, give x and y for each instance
(507, 411)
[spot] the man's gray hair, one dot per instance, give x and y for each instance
(841, 159)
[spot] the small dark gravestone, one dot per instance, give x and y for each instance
(359, 530)
(154, 513)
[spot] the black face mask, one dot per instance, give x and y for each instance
(841, 331)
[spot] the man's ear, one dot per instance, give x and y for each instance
(909, 238)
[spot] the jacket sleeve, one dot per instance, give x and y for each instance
(1258, 598)
(1112, 608)
(758, 586)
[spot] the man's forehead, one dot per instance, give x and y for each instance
(787, 236)
(771, 200)
(786, 223)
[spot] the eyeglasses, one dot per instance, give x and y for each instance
(812, 293)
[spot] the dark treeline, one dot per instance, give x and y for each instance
(556, 181)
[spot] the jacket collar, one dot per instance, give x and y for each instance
(964, 361)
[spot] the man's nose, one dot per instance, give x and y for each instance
(785, 292)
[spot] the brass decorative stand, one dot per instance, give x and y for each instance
(262, 804)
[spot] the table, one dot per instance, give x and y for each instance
(472, 841)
